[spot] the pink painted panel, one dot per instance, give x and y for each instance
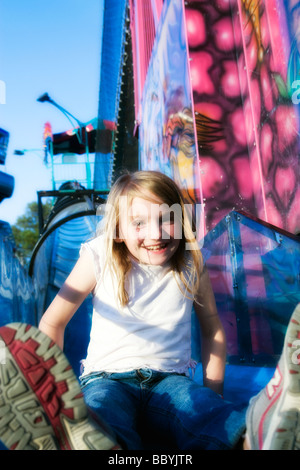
(274, 151)
(214, 39)
(242, 56)
(144, 20)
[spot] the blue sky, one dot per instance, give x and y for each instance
(49, 47)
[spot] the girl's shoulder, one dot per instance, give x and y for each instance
(94, 241)
(95, 247)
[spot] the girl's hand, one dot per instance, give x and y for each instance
(213, 340)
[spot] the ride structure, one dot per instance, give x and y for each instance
(206, 92)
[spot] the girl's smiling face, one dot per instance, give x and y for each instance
(150, 230)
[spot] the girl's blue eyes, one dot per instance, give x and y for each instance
(138, 223)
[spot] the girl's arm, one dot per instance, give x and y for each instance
(213, 340)
(75, 289)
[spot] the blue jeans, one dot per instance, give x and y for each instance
(157, 410)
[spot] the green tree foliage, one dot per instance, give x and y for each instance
(26, 230)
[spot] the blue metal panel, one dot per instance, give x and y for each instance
(16, 288)
(111, 59)
(7, 184)
(110, 81)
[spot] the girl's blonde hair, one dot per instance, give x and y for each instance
(140, 184)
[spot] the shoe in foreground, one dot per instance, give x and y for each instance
(273, 416)
(41, 404)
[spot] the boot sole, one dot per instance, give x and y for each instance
(41, 403)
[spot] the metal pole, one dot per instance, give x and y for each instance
(45, 97)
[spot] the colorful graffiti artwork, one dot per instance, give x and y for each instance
(276, 153)
(166, 134)
(218, 105)
(247, 122)
(221, 107)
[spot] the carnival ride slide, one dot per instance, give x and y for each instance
(226, 128)
(25, 296)
(251, 264)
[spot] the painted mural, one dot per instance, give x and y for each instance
(275, 157)
(166, 134)
(243, 70)
(233, 145)
(218, 104)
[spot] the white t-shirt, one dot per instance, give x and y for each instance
(152, 331)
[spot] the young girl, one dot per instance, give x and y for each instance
(146, 272)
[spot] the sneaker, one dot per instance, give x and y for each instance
(273, 416)
(41, 404)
